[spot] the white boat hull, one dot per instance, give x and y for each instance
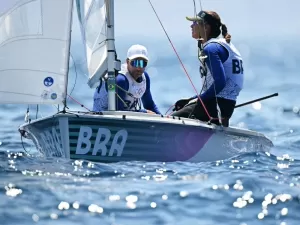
(130, 136)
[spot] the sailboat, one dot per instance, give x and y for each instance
(35, 39)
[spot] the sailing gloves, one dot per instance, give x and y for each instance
(183, 102)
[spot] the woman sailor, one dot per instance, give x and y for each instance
(221, 70)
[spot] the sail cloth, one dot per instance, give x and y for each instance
(92, 18)
(34, 50)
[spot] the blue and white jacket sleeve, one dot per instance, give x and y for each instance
(147, 99)
(216, 56)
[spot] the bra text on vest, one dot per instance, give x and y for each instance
(237, 66)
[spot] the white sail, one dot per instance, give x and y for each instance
(93, 23)
(34, 50)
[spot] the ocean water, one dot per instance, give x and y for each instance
(250, 189)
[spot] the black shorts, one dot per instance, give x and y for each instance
(197, 111)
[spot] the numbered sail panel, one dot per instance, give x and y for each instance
(92, 16)
(34, 50)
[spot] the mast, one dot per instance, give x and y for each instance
(111, 56)
(68, 56)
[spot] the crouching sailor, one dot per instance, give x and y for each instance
(132, 85)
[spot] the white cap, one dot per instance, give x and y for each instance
(137, 51)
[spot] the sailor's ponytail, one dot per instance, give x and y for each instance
(225, 33)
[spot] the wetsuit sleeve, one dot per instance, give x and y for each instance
(147, 99)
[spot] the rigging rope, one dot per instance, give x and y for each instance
(79, 103)
(217, 103)
(206, 111)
